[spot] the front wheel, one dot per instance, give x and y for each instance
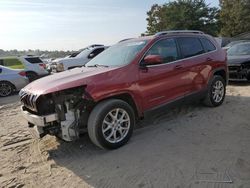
(111, 124)
(216, 92)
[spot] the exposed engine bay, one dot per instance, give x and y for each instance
(63, 114)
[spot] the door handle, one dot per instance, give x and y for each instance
(209, 59)
(178, 67)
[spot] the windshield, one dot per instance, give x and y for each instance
(118, 55)
(239, 49)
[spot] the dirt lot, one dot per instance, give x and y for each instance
(174, 148)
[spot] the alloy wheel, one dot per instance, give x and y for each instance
(116, 125)
(218, 91)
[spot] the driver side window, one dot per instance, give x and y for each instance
(166, 49)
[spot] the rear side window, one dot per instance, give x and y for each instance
(1, 61)
(190, 46)
(208, 45)
(33, 60)
(95, 52)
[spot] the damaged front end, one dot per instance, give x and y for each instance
(63, 113)
(239, 71)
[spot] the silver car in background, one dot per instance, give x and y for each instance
(11, 80)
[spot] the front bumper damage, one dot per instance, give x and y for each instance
(62, 114)
(238, 71)
(40, 121)
(50, 124)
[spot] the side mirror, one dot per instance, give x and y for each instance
(152, 60)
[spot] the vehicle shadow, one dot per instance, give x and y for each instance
(170, 148)
(239, 82)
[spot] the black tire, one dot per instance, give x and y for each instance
(32, 76)
(6, 89)
(248, 77)
(96, 123)
(209, 99)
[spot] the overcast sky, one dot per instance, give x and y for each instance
(71, 25)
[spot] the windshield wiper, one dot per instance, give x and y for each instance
(97, 65)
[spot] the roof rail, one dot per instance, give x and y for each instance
(125, 40)
(177, 31)
(95, 45)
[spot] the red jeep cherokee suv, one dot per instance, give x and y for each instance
(117, 87)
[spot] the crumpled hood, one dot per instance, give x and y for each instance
(238, 59)
(64, 80)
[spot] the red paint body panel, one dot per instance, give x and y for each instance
(149, 87)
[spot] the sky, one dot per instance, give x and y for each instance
(71, 25)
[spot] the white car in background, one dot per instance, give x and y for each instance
(79, 60)
(11, 80)
(34, 67)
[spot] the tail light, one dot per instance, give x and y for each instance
(42, 65)
(22, 73)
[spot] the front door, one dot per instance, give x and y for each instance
(162, 83)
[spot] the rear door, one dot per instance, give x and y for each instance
(194, 59)
(164, 82)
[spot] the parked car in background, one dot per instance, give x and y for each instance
(120, 85)
(33, 65)
(79, 59)
(53, 63)
(11, 80)
(233, 43)
(238, 56)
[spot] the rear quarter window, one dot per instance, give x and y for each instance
(13, 63)
(190, 46)
(33, 60)
(208, 45)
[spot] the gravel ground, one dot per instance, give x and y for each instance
(187, 146)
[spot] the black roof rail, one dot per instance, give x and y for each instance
(125, 40)
(95, 45)
(177, 31)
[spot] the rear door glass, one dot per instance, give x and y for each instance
(33, 60)
(190, 46)
(208, 45)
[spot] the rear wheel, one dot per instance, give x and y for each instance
(216, 92)
(111, 124)
(31, 76)
(6, 89)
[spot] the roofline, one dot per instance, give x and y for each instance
(177, 32)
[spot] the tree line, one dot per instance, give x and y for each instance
(45, 53)
(231, 18)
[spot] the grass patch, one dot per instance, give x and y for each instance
(13, 63)
(16, 66)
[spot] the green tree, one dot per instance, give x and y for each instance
(234, 17)
(183, 14)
